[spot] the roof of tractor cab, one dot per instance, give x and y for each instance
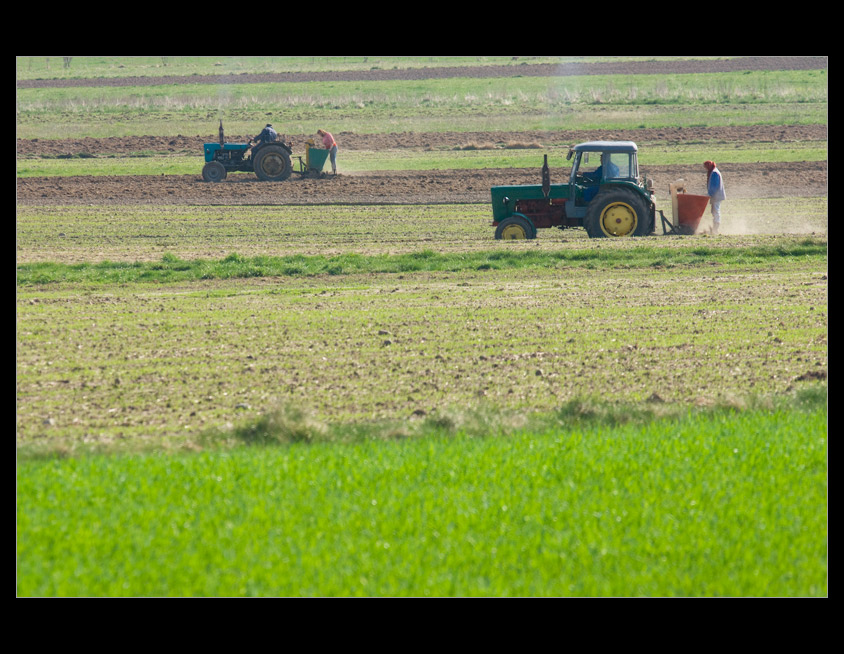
(606, 146)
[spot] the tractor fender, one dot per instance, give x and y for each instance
(529, 227)
(524, 217)
(518, 215)
(284, 145)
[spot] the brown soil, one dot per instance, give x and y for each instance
(423, 187)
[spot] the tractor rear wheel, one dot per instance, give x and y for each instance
(514, 228)
(616, 212)
(272, 163)
(214, 171)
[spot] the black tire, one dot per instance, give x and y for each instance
(515, 228)
(617, 213)
(272, 163)
(214, 171)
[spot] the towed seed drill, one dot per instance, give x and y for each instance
(610, 200)
(271, 162)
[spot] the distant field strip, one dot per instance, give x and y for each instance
(455, 104)
(441, 94)
(91, 69)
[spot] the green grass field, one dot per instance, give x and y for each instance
(727, 504)
(290, 401)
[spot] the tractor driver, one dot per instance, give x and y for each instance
(267, 135)
(593, 179)
(596, 175)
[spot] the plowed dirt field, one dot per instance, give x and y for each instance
(410, 187)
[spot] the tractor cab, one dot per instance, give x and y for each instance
(598, 163)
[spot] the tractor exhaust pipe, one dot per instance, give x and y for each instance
(546, 178)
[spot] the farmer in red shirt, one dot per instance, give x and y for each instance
(330, 145)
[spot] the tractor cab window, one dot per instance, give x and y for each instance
(598, 167)
(620, 165)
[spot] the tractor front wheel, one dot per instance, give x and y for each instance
(272, 163)
(617, 213)
(214, 171)
(514, 228)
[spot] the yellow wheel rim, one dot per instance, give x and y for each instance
(513, 232)
(618, 219)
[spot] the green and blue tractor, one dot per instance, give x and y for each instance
(604, 195)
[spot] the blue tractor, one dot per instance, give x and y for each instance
(271, 162)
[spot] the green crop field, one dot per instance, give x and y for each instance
(687, 507)
(379, 400)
